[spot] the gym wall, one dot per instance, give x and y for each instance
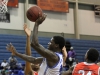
(56, 23)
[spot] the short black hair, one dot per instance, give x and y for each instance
(59, 40)
(92, 54)
(68, 45)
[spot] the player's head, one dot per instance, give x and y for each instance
(71, 48)
(56, 43)
(92, 55)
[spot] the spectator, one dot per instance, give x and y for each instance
(12, 58)
(12, 62)
(5, 64)
(20, 72)
(71, 56)
(5, 68)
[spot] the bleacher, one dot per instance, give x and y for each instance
(80, 46)
(20, 43)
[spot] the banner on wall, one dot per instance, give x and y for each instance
(5, 17)
(13, 3)
(54, 5)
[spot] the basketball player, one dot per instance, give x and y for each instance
(86, 68)
(52, 59)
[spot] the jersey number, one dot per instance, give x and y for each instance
(84, 73)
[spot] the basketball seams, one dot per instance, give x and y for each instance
(33, 17)
(29, 17)
(33, 13)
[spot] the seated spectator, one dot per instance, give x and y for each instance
(12, 62)
(20, 72)
(5, 67)
(5, 64)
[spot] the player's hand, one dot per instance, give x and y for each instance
(41, 19)
(27, 30)
(64, 48)
(11, 48)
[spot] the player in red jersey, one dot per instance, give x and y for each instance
(86, 68)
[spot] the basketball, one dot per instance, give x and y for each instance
(33, 13)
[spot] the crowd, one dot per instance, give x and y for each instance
(9, 65)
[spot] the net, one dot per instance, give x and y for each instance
(3, 6)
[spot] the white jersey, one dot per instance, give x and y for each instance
(55, 70)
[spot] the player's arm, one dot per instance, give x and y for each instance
(28, 69)
(68, 72)
(64, 54)
(50, 56)
(28, 48)
(30, 59)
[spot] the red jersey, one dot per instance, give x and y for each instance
(35, 73)
(86, 69)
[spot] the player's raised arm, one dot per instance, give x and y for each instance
(28, 68)
(64, 55)
(35, 44)
(50, 54)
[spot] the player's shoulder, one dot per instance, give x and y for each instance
(81, 63)
(59, 54)
(78, 65)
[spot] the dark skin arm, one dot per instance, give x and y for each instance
(30, 59)
(28, 48)
(69, 72)
(49, 55)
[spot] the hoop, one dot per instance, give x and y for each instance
(3, 6)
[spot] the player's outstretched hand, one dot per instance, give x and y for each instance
(11, 48)
(41, 19)
(27, 30)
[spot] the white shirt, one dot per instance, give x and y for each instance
(3, 64)
(55, 70)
